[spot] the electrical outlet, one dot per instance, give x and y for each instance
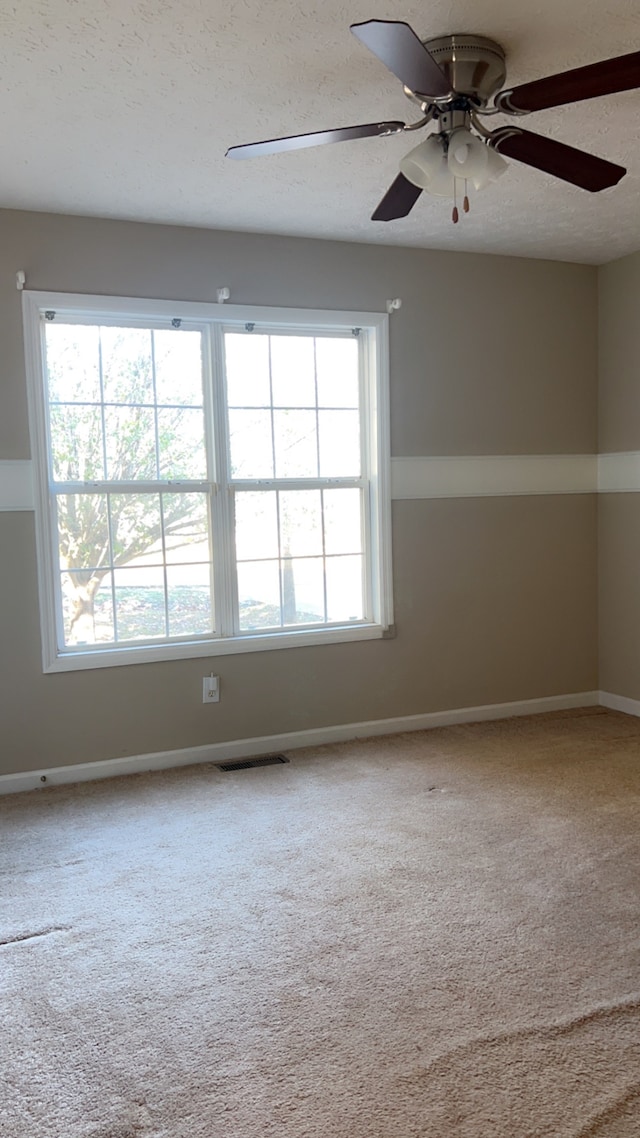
(210, 689)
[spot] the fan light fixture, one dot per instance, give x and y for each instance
(445, 158)
(421, 164)
(467, 156)
(456, 80)
(493, 170)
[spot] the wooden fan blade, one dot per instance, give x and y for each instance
(576, 166)
(606, 78)
(397, 46)
(317, 138)
(398, 201)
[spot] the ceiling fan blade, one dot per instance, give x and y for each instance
(398, 201)
(605, 78)
(576, 166)
(398, 47)
(317, 138)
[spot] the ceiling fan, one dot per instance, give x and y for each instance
(456, 82)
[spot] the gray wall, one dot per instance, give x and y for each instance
(619, 514)
(495, 597)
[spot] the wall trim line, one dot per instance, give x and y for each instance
(443, 476)
(291, 740)
(619, 473)
(16, 484)
(493, 475)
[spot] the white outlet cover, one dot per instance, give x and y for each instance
(210, 689)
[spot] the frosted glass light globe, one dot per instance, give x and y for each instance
(495, 168)
(421, 163)
(467, 156)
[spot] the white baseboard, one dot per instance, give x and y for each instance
(267, 744)
(619, 703)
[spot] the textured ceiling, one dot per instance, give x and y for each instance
(124, 108)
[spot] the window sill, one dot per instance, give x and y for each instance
(230, 646)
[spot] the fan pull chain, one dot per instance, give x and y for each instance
(465, 204)
(455, 215)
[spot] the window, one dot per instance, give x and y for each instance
(209, 479)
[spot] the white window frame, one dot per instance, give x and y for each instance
(371, 327)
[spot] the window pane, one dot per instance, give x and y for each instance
(256, 525)
(73, 356)
(136, 529)
(181, 443)
(140, 610)
(131, 443)
(344, 588)
(339, 444)
(296, 444)
(247, 368)
(186, 527)
(258, 595)
(103, 623)
(178, 362)
(127, 374)
(302, 591)
(87, 608)
(83, 531)
(250, 444)
(342, 524)
(300, 522)
(293, 371)
(76, 443)
(126, 408)
(337, 368)
(190, 600)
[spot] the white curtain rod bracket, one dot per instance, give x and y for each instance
(21, 280)
(223, 294)
(394, 305)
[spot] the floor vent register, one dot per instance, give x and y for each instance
(246, 764)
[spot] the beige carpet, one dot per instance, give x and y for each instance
(433, 935)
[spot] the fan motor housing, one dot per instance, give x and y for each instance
(474, 65)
